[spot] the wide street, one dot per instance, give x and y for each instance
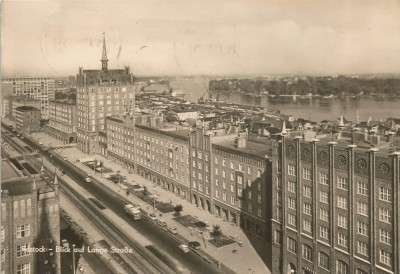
(166, 248)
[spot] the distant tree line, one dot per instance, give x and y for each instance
(322, 85)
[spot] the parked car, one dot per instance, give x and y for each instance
(162, 223)
(184, 248)
(153, 216)
(194, 245)
(89, 174)
(172, 230)
(88, 180)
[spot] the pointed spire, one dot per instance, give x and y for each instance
(104, 59)
(284, 130)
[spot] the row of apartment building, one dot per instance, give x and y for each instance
(324, 207)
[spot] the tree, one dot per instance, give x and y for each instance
(216, 232)
(178, 209)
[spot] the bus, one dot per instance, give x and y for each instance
(133, 211)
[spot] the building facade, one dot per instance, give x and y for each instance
(336, 209)
(28, 119)
(101, 93)
(62, 121)
(10, 104)
(36, 88)
(29, 219)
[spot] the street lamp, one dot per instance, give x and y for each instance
(73, 259)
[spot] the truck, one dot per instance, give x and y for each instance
(133, 211)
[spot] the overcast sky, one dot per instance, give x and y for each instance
(202, 36)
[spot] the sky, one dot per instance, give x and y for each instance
(191, 37)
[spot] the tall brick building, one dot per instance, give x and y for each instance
(29, 219)
(336, 209)
(101, 93)
(62, 120)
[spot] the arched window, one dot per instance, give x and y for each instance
(323, 260)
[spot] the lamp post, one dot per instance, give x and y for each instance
(73, 259)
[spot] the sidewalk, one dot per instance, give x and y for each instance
(244, 260)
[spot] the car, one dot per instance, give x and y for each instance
(194, 245)
(162, 223)
(88, 180)
(18, 135)
(89, 174)
(172, 230)
(64, 158)
(40, 143)
(64, 243)
(152, 216)
(184, 248)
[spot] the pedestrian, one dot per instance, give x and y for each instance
(240, 243)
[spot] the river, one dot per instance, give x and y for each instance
(316, 109)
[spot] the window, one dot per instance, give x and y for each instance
(259, 187)
(24, 268)
(362, 208)
(291, 170)
(323, 197)
(324, 232)
(22, 250)
(384, 237)
(224, 196)
(342, 240)
(223, 162)
(307, 191)
(307, 208)
(217, 193)
(342, 202)
(342, 221)
(291, 245)
(249, 170)
(385, 258)
(2, 234)
(362, 248)
(259, 212)
(323, 260)
(323, 178)
(258, 173)
(323, 214)
(307, 252)
(307, 226)
(216, 182)
(232, 176)
(277, 237)
(231, 165)
(241, 167)
(292, 203)
(249, 182)
(306, 174)
(250, 208)
(216, 160)
(223, 174)
(239, 179)
(232, 200)
(341, 267)
(292, 186)
(292, 219)
(239, 192)
(259, 198)
(216, 171)
(23, 231)
(384, 194)
(384, 215)
(362, 188)
(362, 228)
(249, 195)
(342, 183)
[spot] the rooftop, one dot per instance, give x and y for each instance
(27, 108)
(251, 149)
(8, 171)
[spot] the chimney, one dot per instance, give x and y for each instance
(240, 141)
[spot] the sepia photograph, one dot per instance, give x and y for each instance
(200, 136)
